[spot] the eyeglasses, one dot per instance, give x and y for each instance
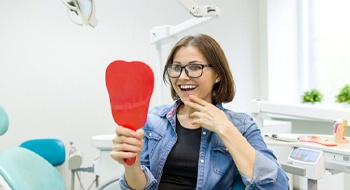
(192, 70)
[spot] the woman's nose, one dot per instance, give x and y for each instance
(184, 74)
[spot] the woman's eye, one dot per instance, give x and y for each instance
(195, 67)
(176, 68)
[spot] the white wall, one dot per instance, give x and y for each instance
(52, 71)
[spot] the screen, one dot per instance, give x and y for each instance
(305, 155)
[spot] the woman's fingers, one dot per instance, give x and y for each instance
(206, 114)
(198, 100)
(139, 134)
(199, 104)
(120, 156)
(126, 144)
(123, 131)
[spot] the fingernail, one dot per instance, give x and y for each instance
(133, 133)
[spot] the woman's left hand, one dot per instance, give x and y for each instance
(207, 115)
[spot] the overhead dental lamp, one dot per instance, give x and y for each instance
(81, 12)
(200, 14)
(199, 11)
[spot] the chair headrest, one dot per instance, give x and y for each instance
(4, 121)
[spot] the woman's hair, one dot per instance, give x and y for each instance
(223, 91)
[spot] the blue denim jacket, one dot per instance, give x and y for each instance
(216, 168)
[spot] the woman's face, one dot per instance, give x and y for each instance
(184, 85)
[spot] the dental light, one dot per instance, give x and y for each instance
(81, 12)
(199, 11)
(200, 14)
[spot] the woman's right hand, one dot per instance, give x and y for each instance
(127, 144)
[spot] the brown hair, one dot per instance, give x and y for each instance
(223, 91)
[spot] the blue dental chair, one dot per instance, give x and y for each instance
(52, 150)
(23, 169)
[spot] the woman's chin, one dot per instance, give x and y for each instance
(185, 98)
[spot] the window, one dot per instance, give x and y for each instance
(328, 43)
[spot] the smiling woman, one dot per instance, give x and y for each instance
(196, 143)
(52, 70)
(189, 51)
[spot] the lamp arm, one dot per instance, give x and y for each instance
(73, 8)
(199, 11)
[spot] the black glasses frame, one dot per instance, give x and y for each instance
(186, 71)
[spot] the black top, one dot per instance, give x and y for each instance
(181, 167)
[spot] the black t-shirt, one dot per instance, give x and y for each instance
(181, 167)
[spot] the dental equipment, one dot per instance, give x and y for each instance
(334, 159)
(81, 12)
(4, 122)
(200, 13)
(260, 109)
(105, 167)
(311, 160)
(21, 168)
(284, 137)
(51, 149)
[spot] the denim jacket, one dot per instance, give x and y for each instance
(216, 168)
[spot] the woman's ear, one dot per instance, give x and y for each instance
(217, 79)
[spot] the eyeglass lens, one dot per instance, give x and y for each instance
(192, 70)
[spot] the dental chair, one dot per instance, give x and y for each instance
(23, 169)
(238, 183)
(114, 184)
(52, 150)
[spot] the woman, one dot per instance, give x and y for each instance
(196, 143)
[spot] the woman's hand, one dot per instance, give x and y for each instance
(127, 144)
(207, 115)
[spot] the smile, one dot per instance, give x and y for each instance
(187, 87)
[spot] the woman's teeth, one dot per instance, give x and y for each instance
(187, 87)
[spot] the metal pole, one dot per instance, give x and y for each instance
(311, 184)
(72, 181)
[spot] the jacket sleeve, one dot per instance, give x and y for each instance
(149, 177)
(268, 174)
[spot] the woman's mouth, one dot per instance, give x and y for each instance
(187, 87)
